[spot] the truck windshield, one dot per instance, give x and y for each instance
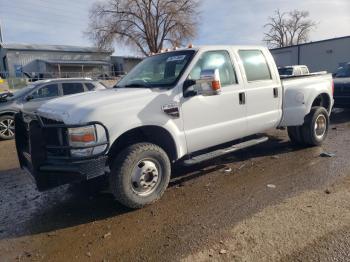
(162, 70)
(21, 92)
(285, 71)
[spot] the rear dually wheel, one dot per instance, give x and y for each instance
(314, 130)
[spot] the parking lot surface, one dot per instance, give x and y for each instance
(273, 202)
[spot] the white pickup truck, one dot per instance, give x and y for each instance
(186, 105)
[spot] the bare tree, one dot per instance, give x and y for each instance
(147, 24)
(286, 29)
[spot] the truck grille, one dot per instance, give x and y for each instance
(56, 138)
(47, 121)
(51, 133)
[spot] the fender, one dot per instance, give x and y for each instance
(313, 98)
(8, 112)
(299, 97)
(177, 135)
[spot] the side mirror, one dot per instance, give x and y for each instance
(29, 97)
(186, 88)
(210, 82)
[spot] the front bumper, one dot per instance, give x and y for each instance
(44, 152)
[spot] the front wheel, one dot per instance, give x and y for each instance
(7, 127)
(139, 175)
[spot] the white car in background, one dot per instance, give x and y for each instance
(32, 96)
(294, 70)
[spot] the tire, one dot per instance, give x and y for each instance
(139, 175)
(294, 133)
(7, 127)
(315, 127)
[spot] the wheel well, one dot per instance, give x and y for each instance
(7, 114)
(322, 100)
(153, 134)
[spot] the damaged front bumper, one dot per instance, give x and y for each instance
(43, 150)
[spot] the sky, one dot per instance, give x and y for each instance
(221, 21)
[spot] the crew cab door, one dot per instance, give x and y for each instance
(263, 90)
(216, 119)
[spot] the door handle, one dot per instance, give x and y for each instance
(242, 98)
(275, 92)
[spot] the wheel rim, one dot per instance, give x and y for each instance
(7, 128)
(146, 176)
(320, 126)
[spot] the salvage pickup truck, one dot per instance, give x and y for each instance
(184, 106)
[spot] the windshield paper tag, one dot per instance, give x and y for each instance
(176, 58)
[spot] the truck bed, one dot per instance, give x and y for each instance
(300, 91)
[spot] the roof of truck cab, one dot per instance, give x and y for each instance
(211, 47)
(215, 47)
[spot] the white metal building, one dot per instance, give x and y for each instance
(325, 55)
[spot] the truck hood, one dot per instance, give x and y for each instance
(75, 109)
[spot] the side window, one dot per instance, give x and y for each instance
(255, 65)
(46, 91)
(72, 88)
(304, 71)
(215, 60)
(89, 86)
(297, 72)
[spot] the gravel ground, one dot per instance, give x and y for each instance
(273, 202)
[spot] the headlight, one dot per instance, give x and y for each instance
(82, 136)
(93, 137)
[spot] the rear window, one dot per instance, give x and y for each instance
(304, 71)
(72, 88)
(255, 65)
(297, 71)
(285, 71)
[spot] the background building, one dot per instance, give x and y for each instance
(325, 55)
(47, 61)
(123, 64)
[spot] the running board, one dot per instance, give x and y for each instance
(224, 151)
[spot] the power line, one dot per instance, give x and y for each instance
(1, 39)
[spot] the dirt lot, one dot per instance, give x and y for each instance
(274, 202)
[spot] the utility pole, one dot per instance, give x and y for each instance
(1, 39)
